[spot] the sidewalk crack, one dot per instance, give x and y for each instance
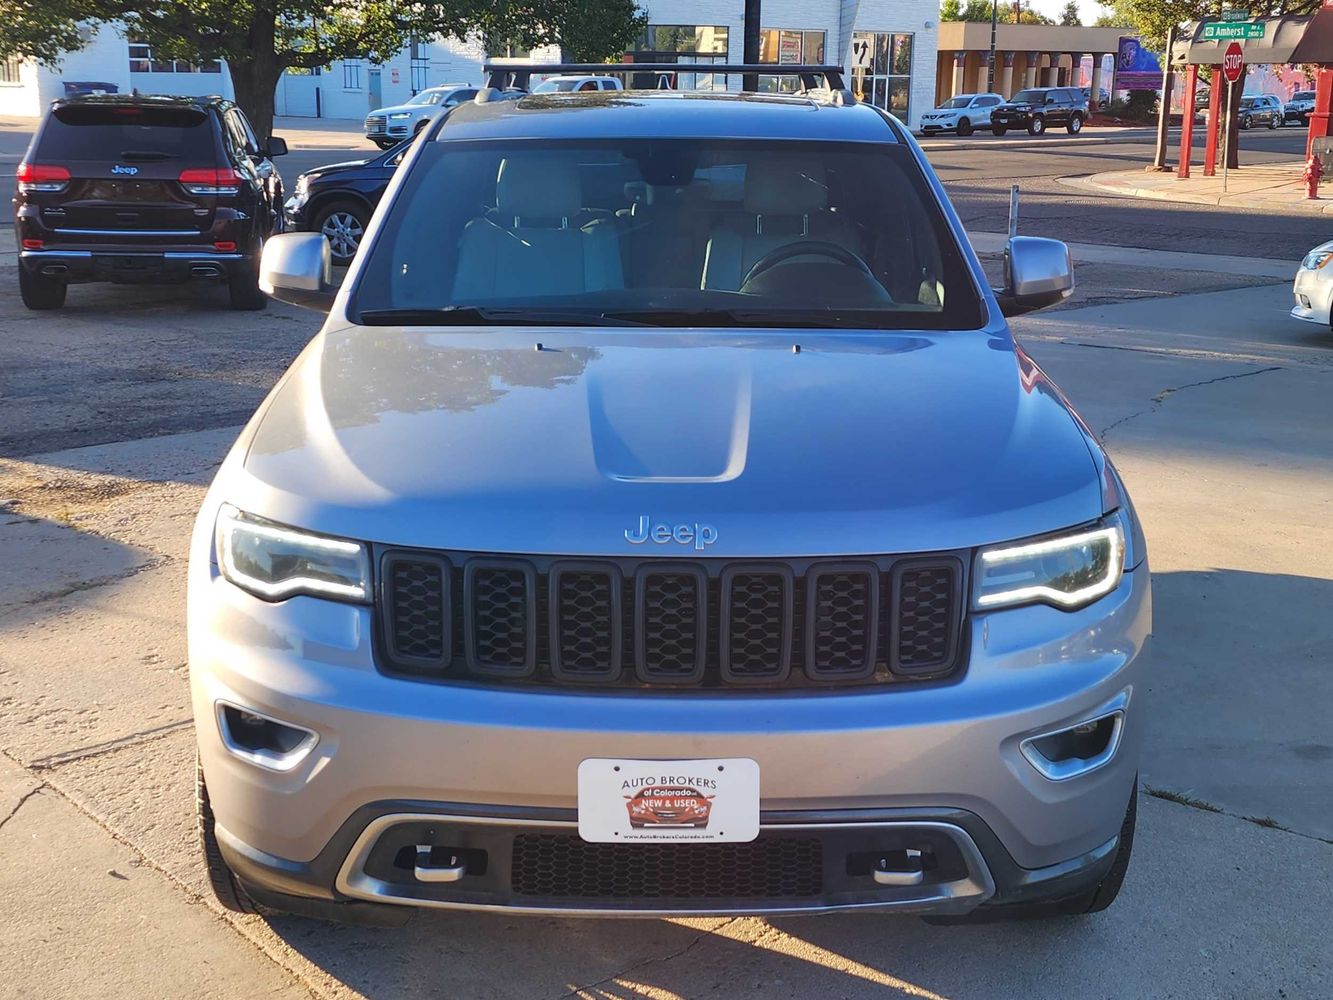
(19, 804)
(1170, 391)
(578, 991)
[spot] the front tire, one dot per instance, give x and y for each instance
(227, 888)
(1272, 123)
(1075, 125)
(964, 127)
(1246, 122)
(1037, 126)
(40, 292)
(343, 223)
(999, 129)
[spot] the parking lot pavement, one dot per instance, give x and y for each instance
(1216, 407)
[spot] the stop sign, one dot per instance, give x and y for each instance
(1233, 61)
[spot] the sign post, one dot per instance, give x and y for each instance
(1233, 64)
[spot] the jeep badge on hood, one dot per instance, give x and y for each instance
(701, 535)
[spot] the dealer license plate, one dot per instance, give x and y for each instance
(654, 801)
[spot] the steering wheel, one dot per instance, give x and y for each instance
(818, 248)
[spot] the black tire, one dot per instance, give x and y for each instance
(1273, 123)
(1245, 123)
(416, 131)
(999, 129)
(964, 127)
(227, 888)
(1075, 125)
(40, 292)
(384, 143)
(1092, 900)
(346, 224)
(243, 285)
(1037, 126)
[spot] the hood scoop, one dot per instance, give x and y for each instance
(672, 421)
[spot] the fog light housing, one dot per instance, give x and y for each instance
(1076, 750)
(262, 740)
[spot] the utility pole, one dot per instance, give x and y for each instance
(750, 81)
(994, 20)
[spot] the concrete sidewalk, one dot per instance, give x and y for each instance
(1268, 187)
(322, 133)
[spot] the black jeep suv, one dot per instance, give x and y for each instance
(1041, 108)
(145, 189)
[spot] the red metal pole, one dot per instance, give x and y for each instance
(1187, 122)
(1214, 123)
(1323, 99)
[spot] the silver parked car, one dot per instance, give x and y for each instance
(389, 126)
(1299, 108)
(963, 114)
(666, 522)
(1313, 288)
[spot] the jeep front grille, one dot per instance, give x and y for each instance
(644, 622)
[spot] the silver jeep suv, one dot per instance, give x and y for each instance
(664, 521)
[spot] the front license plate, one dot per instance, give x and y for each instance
(654, 801)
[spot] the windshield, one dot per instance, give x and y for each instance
(550, 86)
(1247, 102)
(670, 232)
(1303, 95)
(1028, 97)
(426, 97)
(957, 102)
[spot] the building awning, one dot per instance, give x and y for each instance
(1286, 40)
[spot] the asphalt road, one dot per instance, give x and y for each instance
(978, 171)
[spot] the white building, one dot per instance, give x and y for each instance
(888, 46)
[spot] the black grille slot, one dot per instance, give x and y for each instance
(756, 624)
(586, 621)
(560, 866)
(671, 624)
(842, 620)
(925, 606)
(416, 610)
(500, 618)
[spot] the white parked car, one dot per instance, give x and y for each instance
(568, 84)
(389, 126)
(962, 114)
(1313, 288)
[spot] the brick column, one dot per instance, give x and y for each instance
(1095, 94)
(1030, 75)
(959, 73)
(1075, 66)
(1053, 70)
(1004, 85)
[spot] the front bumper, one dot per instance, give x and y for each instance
(948, 753)
(1313, 294)
(130, 266)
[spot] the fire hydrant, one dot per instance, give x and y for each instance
(1314, 169)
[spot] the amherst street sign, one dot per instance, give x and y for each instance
(1236, 29)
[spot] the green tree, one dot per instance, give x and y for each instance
(262, 38)
(980, 10)
(1070, 16)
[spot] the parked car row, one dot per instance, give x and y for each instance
(1035, 109)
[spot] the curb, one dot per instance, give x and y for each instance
(1092, 182)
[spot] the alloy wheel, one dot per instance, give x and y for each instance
(343, 231)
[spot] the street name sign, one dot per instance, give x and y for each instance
(1216, 31)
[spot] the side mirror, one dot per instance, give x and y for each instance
(298, 268)
(1037, 273)
(276, 146)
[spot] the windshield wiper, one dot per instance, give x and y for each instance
(484, 316)
(731, 318)
(146, 155)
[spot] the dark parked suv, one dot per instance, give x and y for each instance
(145, 190)
(1041, 108)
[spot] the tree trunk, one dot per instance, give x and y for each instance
(255, 79)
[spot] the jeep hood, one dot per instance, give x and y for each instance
(858, 443)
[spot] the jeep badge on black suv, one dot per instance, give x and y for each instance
(147, 190)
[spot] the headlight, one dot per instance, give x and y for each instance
(274, 562)
(399, 116)
(1068, 570)
(1316, 259)
(302, 187)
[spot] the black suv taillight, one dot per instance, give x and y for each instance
(210, 180)
(41, 177)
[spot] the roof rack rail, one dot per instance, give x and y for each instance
(503, 76)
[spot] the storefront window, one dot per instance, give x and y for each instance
(882, 70)
(788, 48)
(669, 43)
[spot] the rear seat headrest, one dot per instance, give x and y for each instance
(785, 186)
(538, 188)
